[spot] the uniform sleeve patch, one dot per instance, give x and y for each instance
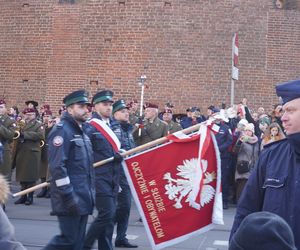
(58, 141)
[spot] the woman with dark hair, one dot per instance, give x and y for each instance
(276, 115)
(273, 133)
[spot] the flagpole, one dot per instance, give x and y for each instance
(232, 65)
(142, 83)
(123, 154)
(129, 152)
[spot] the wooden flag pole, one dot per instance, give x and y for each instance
(124, 154)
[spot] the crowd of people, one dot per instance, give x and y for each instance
(62, 149)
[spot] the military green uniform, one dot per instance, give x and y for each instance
(173, 127)
(28, 155)
(7, 132)
(151, 131)
(134, 118)
(44, 156)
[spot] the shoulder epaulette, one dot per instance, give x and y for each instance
(60, 124)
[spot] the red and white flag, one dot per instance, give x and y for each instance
(106, 131)
(177, 187)
(235, 57)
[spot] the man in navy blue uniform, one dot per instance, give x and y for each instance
(274, 185)
(71, 168)
(123, 130)
(224, 140)
(106, 176)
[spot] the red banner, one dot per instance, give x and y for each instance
(176, 187)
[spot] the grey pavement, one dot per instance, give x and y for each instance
(35, 227)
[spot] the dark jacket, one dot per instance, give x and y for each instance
(187, 122)
(123, 131)
(107, 176)
(274, 185)
(224, 140)
(7, 131)
(70, 164)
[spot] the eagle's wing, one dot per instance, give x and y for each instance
(207, 194)
(204, 165)
(188, 169)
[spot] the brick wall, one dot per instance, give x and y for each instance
(48, 48)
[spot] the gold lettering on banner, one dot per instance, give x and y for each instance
(153, 201)
(139, 178)
(154, 219)
(159, 202)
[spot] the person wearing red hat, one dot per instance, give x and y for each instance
(153, 128)
(168, 118)
(28, 154)
(33, 105)
(133, 112)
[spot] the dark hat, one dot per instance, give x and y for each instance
(168, 111)
(194, 109)
(2, 102)
(118, 105)
(150, 105)
(288, 91)
(103, 96)
(79, 96)
(169, 105)
(34, 103)
(29, 110)
(189, 109)
(47, 112)
(211, 107)
(263, 230)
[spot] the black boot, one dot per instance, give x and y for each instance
(29, 200)
(21, 200)
(42, 193)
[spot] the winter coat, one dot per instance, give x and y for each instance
(274, 185)
(151, 131)
(28, 155)
(247, 151)
(107, 176)
(173, 127)
(71, 169)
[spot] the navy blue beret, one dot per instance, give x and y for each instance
(103, 96)
(79, 96)
(288, 91)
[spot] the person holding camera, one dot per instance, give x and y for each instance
(247, 150)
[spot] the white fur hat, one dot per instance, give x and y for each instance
(243, 122)
(249, 126)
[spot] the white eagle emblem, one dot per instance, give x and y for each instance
(198, 192)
